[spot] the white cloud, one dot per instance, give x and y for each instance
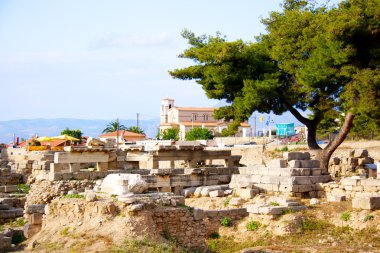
(123, 41)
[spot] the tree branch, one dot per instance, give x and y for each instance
(296, 114)
(345, 129)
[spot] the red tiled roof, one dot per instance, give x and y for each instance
(53, 143)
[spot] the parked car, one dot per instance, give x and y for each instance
(250, 143)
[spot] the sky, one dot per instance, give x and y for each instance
(93, 59)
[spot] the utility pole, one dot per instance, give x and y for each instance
(117, 133)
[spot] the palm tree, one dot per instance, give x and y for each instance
(114, 126)
(135, 129)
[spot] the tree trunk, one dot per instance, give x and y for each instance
(327, 152)
(312, 136)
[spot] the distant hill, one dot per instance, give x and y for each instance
(25, 128)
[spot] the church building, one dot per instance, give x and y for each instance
(186, 118)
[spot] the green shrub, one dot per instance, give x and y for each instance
(345, 216)
(369, 217)
(17, 223)
(274, 204)
(65, 231)
(288, 211)
(226, 202)
(214, 235)
(252, 225)
(226, 222)
(73, 196)
(23, 188)
(309, 224)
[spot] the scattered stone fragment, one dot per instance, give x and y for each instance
(91, 196)
(314, 201)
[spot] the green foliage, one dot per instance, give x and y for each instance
(198, 133)
(284, 149)
(252, 225)
(35, 143)
(214, 235)
(135, 129)
(288, 211)
(73, 133)
(114, 126)
(226, 202)
(23, 188)
(324, 59)
(65, 231)
(329, 124)
(73, 196)
(20, 222)
(228, 132)
(311, 224)
(226, 222)
(345, 216)
(171, 134)
(369, 217)
(274, 203)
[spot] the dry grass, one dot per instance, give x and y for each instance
(320, 230)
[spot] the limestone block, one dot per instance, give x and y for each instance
(236, 201)
(360, 153)
(37, 208)
(102, 166)
(335, 198)
(294, 163)
(270, 179)
(30, 230)
(115, 184)
(310, 163)
(5, 243)
(316, 172)
(296, 155)
(90, 196)
(246, 193)
(314, 201)
(197, 192)
(350, 181)
(301, 180)
(216, 193)
(35, 219)
(188, 192)
(136, 207)
(367, 203)
(85, 157)
(370, 182)
(305, 188)
(205, 192)
(276, 210)
(10, 188)
(288, 188)
(254, 208)
(198, 214)
(278, 163)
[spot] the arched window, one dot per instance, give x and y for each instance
(205, 117)
(193, 117)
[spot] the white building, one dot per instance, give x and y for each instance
(186, 118)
